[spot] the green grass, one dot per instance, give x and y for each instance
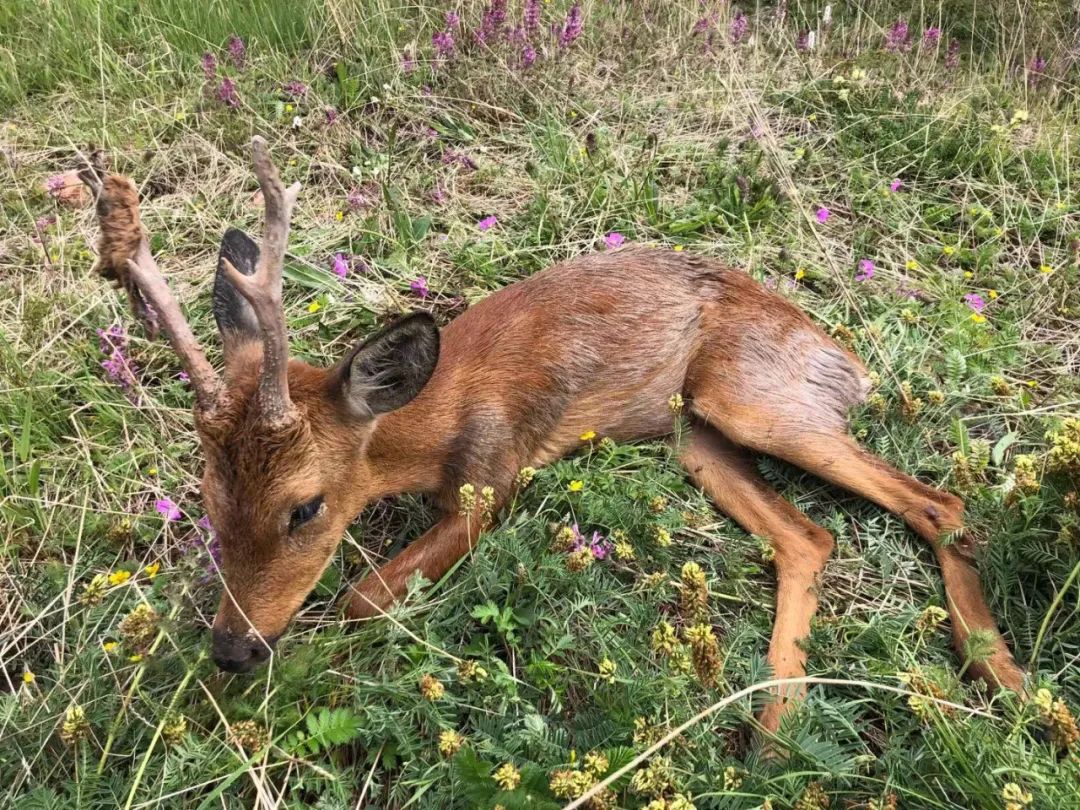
(633, 129)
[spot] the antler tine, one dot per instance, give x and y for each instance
(124, 257)
(263, 289)
(151, 284)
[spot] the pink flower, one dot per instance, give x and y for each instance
(487, 223)
(420, 287)
(331, 115)
(340, 267)
(227, 94)
(895, 185)
(822, 214)
(237, 51)
(614, 239)
(866, 270)
(975, 301)
(55, 184)
(183, 377)
(168, 508)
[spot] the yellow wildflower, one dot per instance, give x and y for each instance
(992, 293)
(800, 274)
(109, 646)
(606, 670)
(576, 486)
(431, 689)
(119, 577)
(288, 108)
(314, 307)
(153, 471)
(975, 316)
(948, 250)
(28, 677)
(450, 742)
(678, 248)
(911, 264)
(339, 215)
(136, 658)
(507, 776)
(151, 570)
(588, 435)
(1019, 117)
(1046, 269)
(1015, 797)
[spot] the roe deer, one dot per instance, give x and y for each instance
(293, 453)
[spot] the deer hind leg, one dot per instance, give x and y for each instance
(727, 474)
(936, 516)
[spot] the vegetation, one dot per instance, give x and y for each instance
(907, 180)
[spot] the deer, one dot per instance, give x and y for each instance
(600, 343)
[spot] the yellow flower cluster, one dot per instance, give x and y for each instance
(431, 689)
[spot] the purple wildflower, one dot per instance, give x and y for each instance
(531, 15)
(614, 239)
(704, 24)
(444, 44)
(237, 52)
(896, 38)
(599, 546)
(331, 114)
(358, 199)
(487, 223)
(183, 377)
(41, 226)
(453, 19)
(55, 184)
(209, 66)
(339, 266)
(295, 90)
(1036, 70)
(227, 94)
(866, 270)
(931, 36)
(528, 56)
(420, 287)
(210, 544)
(453, 157)
(894, 186)
(491, 23)
(975, 301)
(802, 42)
(571, 27)
(408, 64)
(822, 214)
(119, 369)
(952, 54)
(168, 508)
(438, 194)
(739, 27)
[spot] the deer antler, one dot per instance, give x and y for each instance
(262, 289)
(124, 257)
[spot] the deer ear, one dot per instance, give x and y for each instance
(234, 315)
(389, 368)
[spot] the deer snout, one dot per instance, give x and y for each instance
(240, 652)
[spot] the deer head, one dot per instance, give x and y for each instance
(284, 443)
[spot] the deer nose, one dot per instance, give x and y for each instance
(240, 652)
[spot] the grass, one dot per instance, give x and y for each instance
(635, 128)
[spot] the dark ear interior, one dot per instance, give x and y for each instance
(389, 368)
(234, 315)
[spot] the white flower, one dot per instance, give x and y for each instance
(826, 15)
(811, 39)
(297, 122)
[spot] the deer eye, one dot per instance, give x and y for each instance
(305, 512)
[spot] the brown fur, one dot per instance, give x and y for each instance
(121, 232)
(598, 343)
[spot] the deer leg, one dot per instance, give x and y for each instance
(727, 474)
(936, 516)
(432, 554)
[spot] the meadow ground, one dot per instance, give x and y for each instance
(908, 185)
